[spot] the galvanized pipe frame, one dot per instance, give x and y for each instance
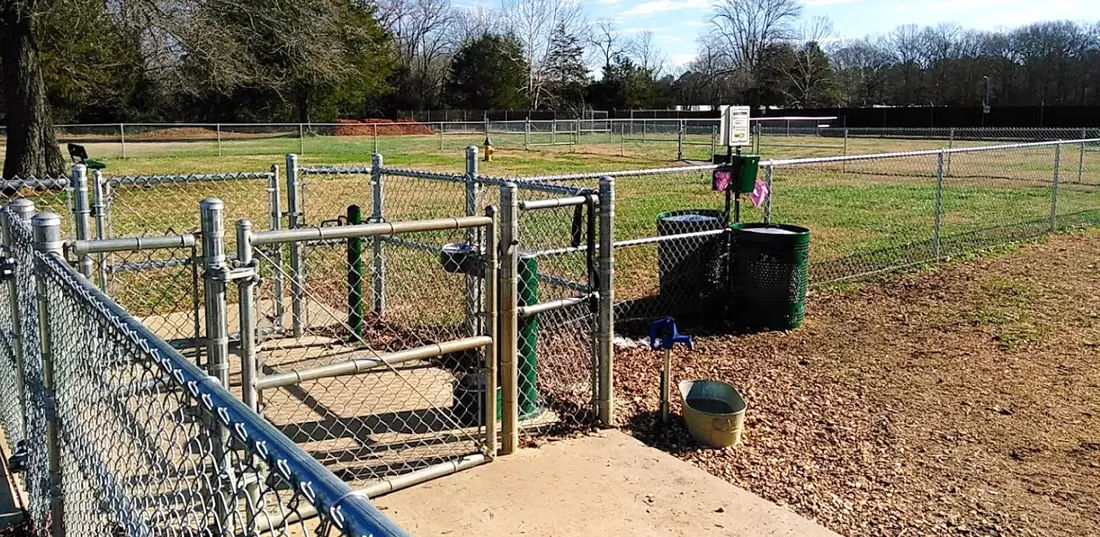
(326, 494)
(254, 383)
(130, 244)
(22, 210)
(356, 366)
(307, 234)
(46, 232)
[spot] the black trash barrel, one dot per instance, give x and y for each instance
(690, 269)
(768, 273)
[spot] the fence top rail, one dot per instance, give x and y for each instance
(16, 183)
(351, 513)
(334, 170)
(420, 174)
(185, 178)
(523, 183)
(131, 244)
(922, 153)
(527, 182)
(280, 236)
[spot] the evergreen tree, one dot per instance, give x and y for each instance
(566, 73)
(488, 73)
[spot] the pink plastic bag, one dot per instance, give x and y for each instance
(720, 181)
(759, 193)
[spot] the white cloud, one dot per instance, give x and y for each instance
(662, 6)
(818, 3)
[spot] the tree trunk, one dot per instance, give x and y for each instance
(302, 101)
(32, 149)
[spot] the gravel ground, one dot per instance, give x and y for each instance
(961, 400)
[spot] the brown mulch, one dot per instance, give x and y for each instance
(384, 127)
(959, 401)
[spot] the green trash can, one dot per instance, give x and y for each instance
(689, 270)
(768, 276)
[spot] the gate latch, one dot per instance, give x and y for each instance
(7, 269)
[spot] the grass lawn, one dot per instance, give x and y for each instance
(882, 206)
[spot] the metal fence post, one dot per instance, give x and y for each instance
(473, 283)
(276, 222)
(22, 209)
(374, 129)
(46, 232)
(1081, 159)
(713, 142)
(606, 315)
(553, 132)
(622, 140)
(768, 171)
(492, 267)
(1054, 188)
(211, 214)
(122, 137)
(950, 145)
(527, 134)
(845, 141)
(294, 219)
(680, 142)
(509, 322)
(218, 129)
(82, 211)
(301, 139)
(212, 226)
(378, 260)
(247, 308)
(441, 136)
(99, 210)
(938, 220)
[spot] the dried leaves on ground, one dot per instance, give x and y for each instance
(958, 401)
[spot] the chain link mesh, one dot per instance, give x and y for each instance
(140, 206)
(146, 443)
(557, 348)
(391, 294)
(161, 287)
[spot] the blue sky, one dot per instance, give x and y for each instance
(676, 23)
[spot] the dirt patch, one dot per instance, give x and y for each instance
(382, 127)
(959, 401)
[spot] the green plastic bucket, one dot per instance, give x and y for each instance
(768, 276)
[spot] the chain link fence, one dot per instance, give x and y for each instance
(121, 434)
(868, 213)
(558, 344)
(656, 139)
(378, 370)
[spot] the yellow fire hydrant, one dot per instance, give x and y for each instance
(489, 150)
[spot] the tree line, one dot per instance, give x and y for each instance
(318, 60)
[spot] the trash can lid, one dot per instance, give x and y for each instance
(769, 230)
(690, 218)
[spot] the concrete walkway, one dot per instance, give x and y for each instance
(604, 485)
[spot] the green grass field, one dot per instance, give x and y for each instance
(884, 207)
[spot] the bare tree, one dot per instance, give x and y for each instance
(904, 43)
(809, 73)
(645, 52)
(473, 22)
(423, 30)
(607, 42)
(748, 27)
(533, 22)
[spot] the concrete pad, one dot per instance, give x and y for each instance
(600, 485)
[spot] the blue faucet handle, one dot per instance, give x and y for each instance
(664, 335)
